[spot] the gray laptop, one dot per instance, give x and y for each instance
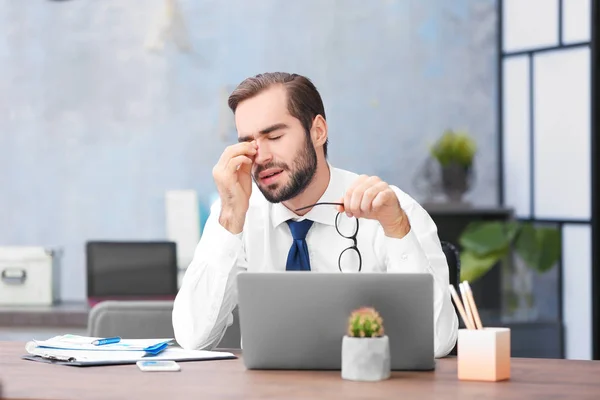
(296, 320)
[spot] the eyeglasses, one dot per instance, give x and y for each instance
(348, 230)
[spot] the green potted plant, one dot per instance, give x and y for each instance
(365, 347)
(455, 151)
(487, 244)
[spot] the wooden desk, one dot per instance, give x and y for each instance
(228, 379)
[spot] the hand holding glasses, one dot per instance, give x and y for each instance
(347, 228)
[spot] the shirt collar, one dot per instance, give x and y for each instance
(323, 214)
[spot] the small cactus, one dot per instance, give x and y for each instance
(365, 322)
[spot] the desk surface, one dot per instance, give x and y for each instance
(531, 378)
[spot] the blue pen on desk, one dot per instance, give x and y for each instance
(100, 342)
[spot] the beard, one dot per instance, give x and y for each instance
(302, 173)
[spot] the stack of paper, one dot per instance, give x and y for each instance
(79, 351)
(75, 342)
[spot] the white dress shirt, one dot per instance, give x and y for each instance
(208, 293)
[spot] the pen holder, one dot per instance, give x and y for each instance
(483, 354)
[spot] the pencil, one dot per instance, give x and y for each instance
(461, 309)
(465, 300)
(472, 305)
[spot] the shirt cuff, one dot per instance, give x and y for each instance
(225, 246)
(405, 254)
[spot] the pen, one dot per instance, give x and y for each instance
(100, 342)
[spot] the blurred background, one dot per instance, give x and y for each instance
(113, 113)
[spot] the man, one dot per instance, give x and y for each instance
(266, 219)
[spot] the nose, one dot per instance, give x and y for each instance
(263, 154)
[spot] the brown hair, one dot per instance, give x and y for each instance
(304, 101)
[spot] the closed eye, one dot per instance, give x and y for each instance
(275, 138)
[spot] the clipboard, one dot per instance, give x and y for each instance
(72, 362)
(100, 358)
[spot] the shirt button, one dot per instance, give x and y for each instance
(404, 256)
(231, 254)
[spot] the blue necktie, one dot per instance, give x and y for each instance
(298, 259)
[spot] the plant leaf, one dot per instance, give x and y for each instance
(473, 267)
(550, 248)
(486, 238)
(454, 147)
(527, 246)
(512, 229)
(539, 247)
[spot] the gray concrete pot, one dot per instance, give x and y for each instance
(366, 359)
(456, 181)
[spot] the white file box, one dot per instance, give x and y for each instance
(29, 275)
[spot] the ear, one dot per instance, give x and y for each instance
(318, 132)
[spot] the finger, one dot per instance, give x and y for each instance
(366, 204)
(246, 168)
(238, 149)
(355, 200)
(235, 162)
(384, 197)
(348, 196)
(340, 208)
(358, 195)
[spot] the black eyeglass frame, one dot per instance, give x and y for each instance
(352, 237)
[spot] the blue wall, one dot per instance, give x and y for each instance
(94, 129)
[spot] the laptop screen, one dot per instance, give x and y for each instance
(131, 269)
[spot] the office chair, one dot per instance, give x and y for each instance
(453, 258)
(131, 270)
(144, 319)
